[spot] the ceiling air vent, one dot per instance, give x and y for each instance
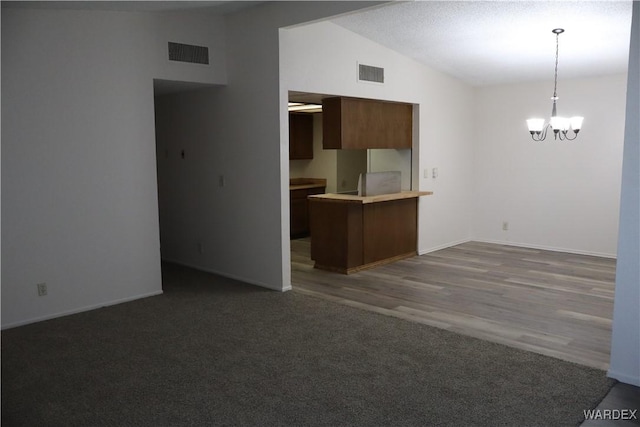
(188, 53)
(369, 73)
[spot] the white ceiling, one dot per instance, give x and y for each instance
(480, 42)
(496, 42)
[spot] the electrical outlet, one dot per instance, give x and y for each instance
(42, 289)
(505, 226)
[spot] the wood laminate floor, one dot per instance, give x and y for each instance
(553, 303)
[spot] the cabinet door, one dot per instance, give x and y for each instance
(300, 136)
(354, 123)
(299, 210)
(332, 123)
(398, 125)
(299, 217)
(390, 229)
(363, 124)
(336, 234)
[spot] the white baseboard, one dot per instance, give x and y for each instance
(519, 245)
(623, 378)
(230, 276)
(444, 246)
(546, 248)
(80, 310)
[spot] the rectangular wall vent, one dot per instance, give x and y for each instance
(188, 53)
(369, 73)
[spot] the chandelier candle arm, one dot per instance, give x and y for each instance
(560, 125)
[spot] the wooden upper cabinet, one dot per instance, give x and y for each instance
(300, 136)
(355, 123)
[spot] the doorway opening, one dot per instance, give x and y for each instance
(177, 179)
(331, 171)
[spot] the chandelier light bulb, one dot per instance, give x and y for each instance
(559, 123)
(576, 123)
(535, 125)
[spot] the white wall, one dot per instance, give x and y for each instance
(236, 131)
(625, 339)
(228, 228)
(554, 195)
(78, 170)
(381, 160)
(350, 164)
(196, 28)
(322, 58)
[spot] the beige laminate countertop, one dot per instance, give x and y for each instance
(305, 186)
(371, 199)
(305, 183)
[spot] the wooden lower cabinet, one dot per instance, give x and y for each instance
(299, 218)
(348, 236)
(299, 210)
(390, 230)
(336, 235)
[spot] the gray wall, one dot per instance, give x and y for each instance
(78, 170)
(625, 340)
(79, 190)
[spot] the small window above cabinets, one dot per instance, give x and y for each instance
(300, 136)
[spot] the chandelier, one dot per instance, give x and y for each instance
(560, 125)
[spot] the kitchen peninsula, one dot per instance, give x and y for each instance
(351, 233)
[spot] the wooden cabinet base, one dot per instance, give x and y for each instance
(354, 234)
(299, 190)
(364, 266)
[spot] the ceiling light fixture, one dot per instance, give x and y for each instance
(559, 125)
(305, 108)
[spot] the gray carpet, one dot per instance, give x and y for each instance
(211, 351)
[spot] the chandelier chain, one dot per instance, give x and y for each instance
(555, 77)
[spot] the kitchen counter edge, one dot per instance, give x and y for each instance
(371, 199)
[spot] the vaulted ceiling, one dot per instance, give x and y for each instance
(479, 42)
(496, 42)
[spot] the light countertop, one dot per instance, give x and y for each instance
(305, 183)
(371, 199)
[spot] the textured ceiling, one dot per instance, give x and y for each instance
(480, 42)
(495, 42)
